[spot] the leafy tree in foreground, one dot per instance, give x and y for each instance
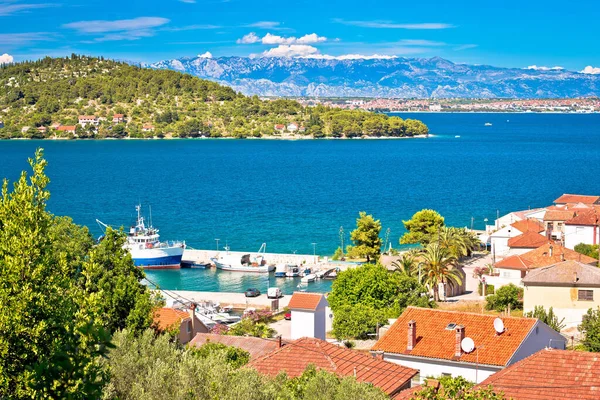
(422, 227)
(590, 326)
(357, 321)
(547, 317)
(458, 388)
(367, 242)
(49, 342)
(590, 250)
(505, 296)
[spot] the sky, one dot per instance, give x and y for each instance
(531, 33)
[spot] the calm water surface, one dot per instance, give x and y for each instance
(291, 194)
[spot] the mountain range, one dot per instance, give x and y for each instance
(391, 77)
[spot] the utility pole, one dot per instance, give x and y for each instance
(314, 249)
(342, 240)
(217, 240)
(472, 219)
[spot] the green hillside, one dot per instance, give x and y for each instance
(44, 99)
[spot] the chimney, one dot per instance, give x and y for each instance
(575, 278)
(460, 335)
(412, 335)
(192, 312)
(279, 344)
(550, 251)
(379, 355)
(562, 256)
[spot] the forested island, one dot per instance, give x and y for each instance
(87, 97)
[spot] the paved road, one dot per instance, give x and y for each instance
(237, 300)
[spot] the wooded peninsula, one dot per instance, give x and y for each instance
(94, 98)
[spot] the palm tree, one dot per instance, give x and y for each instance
(458, 241)
(438, 267)
(407, 264)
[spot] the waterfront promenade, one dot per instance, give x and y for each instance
(237, 300)
(204, 256)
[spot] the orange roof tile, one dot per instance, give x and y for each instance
(294, 357)
(588, 217)
(577, 198)
(66, 128)
(514, 262)
(550, 374)
(257, 347)
(305, 301)
(528, 239)
(435, 341)
(165, 317)
(557, 215)
(552, 253)
(527, 225)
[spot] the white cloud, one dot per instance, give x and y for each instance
(271, 39)
(465, 47)
(248, 39)
(205, 55)
(264, 25)
(6, 58)
(542, 68)
(591, 70)
(9, 7)
(135, 24)
(420, 42)
(294, 50)
(392, 25)
(20, 39)
(188, 1)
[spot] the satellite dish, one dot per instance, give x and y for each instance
(467, 345)
(499, 325)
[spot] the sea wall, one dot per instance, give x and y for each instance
(272, 258)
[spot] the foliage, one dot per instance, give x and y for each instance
(234, 356)
(264, 316)
(489, 289)
(549, 318)
(407, 265)
(49, 341)
(370, 288)
(506, 295)
(457, 388)
(338, 254)
(112, 286)
(154, 368)
(367, 243)
(421, 227)
(459, 241)
(357, 321)
(51, 90)
(248, 327)
(438, 266)
(590, 250)
(590, 327)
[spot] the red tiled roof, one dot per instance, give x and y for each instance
(528, 239)
(87, 117)
(552, 253)
(257, 347)
(118, 116)
(435, 341)
(66, 128)
(576, 198)
(527, 225)
(294, 357)
(514, 262)
(557, 215)
(550, 374)
(305, 301)
(165, 317)
(589, 217)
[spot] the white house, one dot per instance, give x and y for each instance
(117, 118)
(554, 221)
(429, 340)
(577, 198)
(88, 119)
(499, 239)
(516, 216)
(583, 228)
(309, 315)
(292, 127)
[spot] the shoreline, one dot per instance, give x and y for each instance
(290, 138)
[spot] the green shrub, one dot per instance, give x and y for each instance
(549, 318)
(505, 296)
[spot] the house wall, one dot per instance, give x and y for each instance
(517, 251)
(575, 234)
(563, 301)
(506, 277)
(540, 337)
(328, 319)
(436, 368)
(499, 240)
(320, 323)
(187, 331)
(303, 324)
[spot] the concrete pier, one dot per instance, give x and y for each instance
(272, 258)
(237, 300)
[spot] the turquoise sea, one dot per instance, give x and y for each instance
(291, 194)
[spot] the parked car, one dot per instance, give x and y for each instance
(287, 316)
(274, 293)
(252, 292)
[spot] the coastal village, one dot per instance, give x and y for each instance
(520, 355)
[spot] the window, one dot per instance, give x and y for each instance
(550, 226)
(585, 295)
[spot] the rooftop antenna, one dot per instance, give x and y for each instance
(499, 326)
